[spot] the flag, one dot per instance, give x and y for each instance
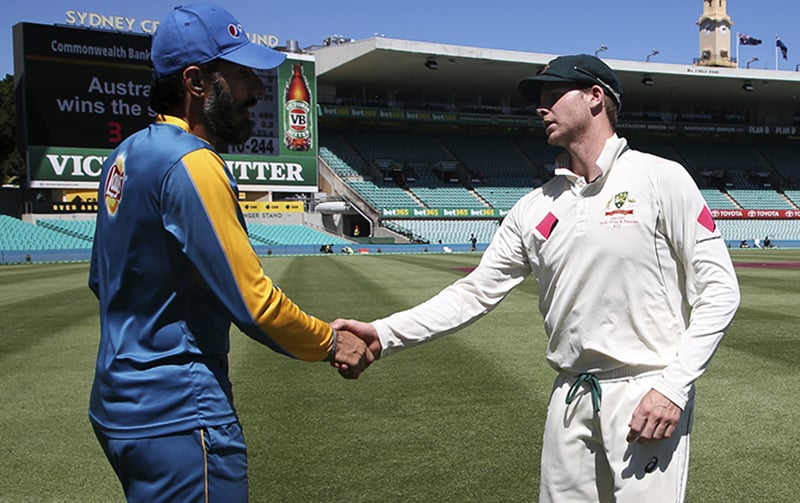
(780, 45)
(748, 40)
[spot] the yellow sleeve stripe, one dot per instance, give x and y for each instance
(303, 336)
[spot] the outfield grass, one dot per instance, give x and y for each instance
(459, 419)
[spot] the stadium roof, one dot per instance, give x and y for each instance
(399, 66)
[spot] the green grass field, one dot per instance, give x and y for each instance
(456, 420)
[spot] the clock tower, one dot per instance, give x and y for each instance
(715, 35)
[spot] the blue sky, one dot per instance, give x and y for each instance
(630, 29)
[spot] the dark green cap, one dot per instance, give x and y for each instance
(581, 69)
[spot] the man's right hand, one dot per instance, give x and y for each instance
(352, 355)
(365, 331)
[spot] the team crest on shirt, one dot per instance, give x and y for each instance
(619, 199)
(619, 211)
(112, 191)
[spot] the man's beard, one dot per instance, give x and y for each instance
(227, 121)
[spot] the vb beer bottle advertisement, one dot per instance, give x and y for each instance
(297, 111)
(285, 126)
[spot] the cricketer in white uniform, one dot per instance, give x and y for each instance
(635, 284)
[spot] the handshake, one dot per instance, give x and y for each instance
(357, 346)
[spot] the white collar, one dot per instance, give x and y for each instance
(614, 147)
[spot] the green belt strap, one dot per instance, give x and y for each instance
(594, 385)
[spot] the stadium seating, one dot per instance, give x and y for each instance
(333, 142)
(447, 197)
(373, 145)
(83, 229)
(733, 164)
(777, 230)
(751, 199)
(17, 235)
(502, 197)
(494, 160)
(794, 196)
(445, 231)
(660, 149)
(261, 234)
(543, 157)
(451, 170)
(339, 166)
(385, 196)
(503, 169)
(499, 169)
(785, 159)
(717, 200)
(55, 234)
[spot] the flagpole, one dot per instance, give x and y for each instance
(737, 49)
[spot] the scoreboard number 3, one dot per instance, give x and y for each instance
(114, 132)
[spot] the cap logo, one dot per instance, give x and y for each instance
(235, 30)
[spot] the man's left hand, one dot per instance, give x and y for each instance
(655, 418)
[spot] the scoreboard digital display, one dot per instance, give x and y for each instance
(84, 90)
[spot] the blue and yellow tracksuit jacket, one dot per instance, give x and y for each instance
(172, 267)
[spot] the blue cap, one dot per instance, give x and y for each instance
(201, 32)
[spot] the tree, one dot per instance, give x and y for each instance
(12, 166)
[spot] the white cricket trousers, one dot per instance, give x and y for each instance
(586, 458)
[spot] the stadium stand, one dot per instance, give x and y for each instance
(753, 199)
(82, 229)
(339, 166)
(384, 196)
(375, 145)
(658, 148)
(261, 234)
(447, 197)
(794, 196)
(50, 237)
(785, 159)
(445, 231)
(777, 230)
(493, 160)
(727, 166)
(332, 142)
(502, 197)
(717, 200)
(17, 235)
(543, 157)
(447, 170)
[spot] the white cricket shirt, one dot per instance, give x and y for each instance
(631, 273)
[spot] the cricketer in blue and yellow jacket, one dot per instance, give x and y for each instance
(172, 267)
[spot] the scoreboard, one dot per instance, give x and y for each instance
(82, 88)
(80, 92)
